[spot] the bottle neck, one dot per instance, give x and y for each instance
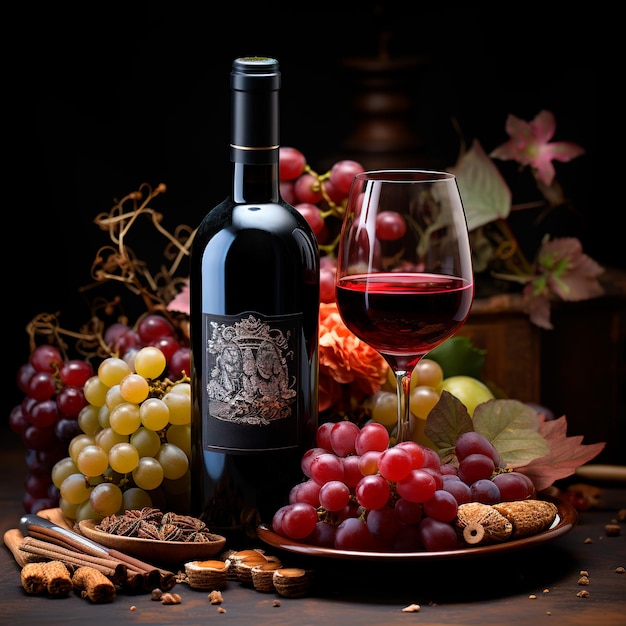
(254, 136)
(255, 183)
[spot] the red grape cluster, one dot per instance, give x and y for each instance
(321, 198)
(152, 330)
(47, 419)
(360, 494)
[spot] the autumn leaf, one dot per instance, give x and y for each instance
(565, 455)
(446, 421)
(486, 196)
(525, 440)
(512, 427)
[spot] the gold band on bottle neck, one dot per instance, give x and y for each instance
(235, 147)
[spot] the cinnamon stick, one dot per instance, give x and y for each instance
(114, 569)
(13, 540)
(122, 572)
(65, 540)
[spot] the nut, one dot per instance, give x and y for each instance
(528, 517)
(481, 523)
(263, 575)
(212, 574)
(292, 582)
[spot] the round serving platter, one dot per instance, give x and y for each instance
(565, 520)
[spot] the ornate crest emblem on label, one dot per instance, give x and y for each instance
(252, 376)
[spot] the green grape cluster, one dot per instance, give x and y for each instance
(134, 448)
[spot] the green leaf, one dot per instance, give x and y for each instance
(459, 357)
(486, 196)
(446, 421)
(512, 427)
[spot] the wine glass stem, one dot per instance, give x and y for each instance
(403, 388)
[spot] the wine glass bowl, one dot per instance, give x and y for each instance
(404, 281)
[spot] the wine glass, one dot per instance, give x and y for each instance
(404, 281)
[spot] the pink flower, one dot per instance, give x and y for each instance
(180, 302)
(529, 145)
(564, 271)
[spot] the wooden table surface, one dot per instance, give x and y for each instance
(536, 586)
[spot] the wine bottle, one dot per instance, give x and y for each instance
(254, 325)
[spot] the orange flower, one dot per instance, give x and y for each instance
(345, 360)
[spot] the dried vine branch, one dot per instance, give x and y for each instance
(117, 263)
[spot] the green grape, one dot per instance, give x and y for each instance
(134, 388)
(135, 499)
(384, 408)
(182, 388)
(84, 511)
(113, 397)
(112, 370)
(75, 489)
(105, 499)
(146, 441)
(154, 414)
(125, 418)
(95, 391)
(173, 460)
(107, 438)
(104, 417)
(123, 457)
(148, 474)
(427, 372)
(61, 470)
(78, 443)
(423, 399)
(180, 436)
(92, 460)
(179, 405)
(150, 362)
(68, 509)
(88, 419)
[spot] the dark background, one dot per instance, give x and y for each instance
(106, 96)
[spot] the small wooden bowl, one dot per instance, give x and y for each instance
(153, 550)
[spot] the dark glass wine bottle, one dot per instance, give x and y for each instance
(254, 325)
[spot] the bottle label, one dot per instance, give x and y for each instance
(252, 382)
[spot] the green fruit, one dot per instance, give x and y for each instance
(459, 356)
(470, 391)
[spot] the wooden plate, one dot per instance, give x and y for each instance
(152, 550)
(565, 520)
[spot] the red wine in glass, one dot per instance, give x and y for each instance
(404, 314)
(404, 281)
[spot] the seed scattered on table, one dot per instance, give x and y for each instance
(215, 597)
(612, 530)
